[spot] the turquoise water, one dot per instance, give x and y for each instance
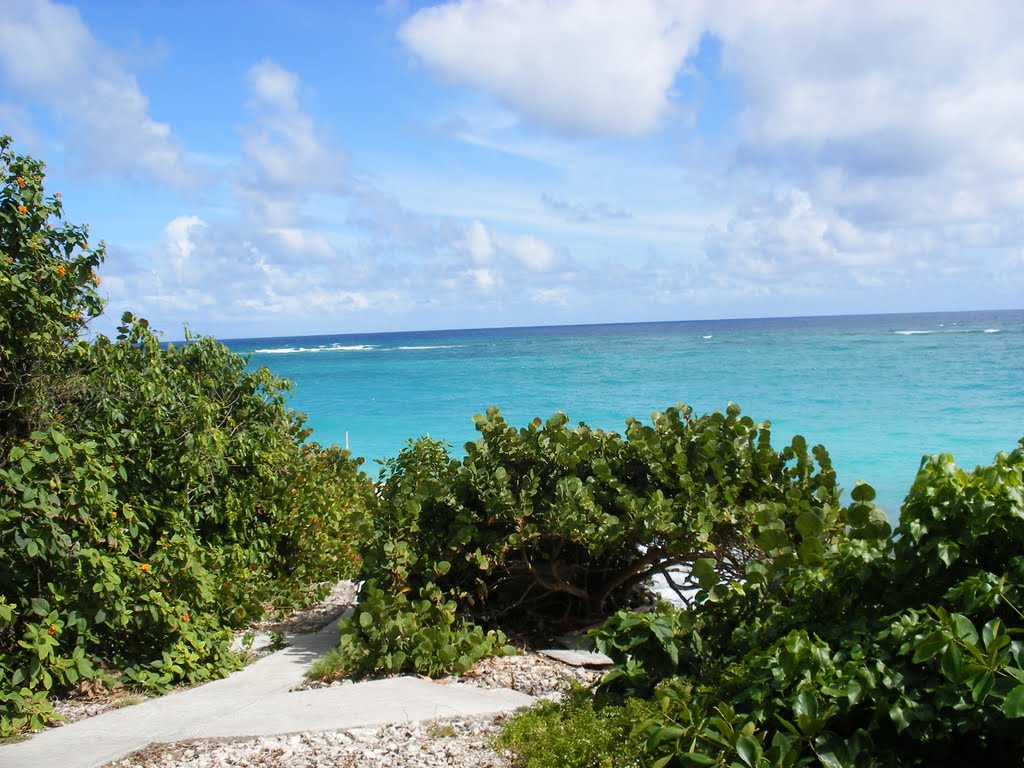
(879, 391)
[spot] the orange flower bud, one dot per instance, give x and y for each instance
(22, 210)
(52, 630)
(21, 181)
(96, 279)
(144, 567)
(61, 271)
(186, 618)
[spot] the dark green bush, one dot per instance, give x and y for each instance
(886, 651)
(552, 524)
(152, 497)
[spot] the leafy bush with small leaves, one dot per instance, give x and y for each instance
(578, 733)
(152, 497)
(48, 293)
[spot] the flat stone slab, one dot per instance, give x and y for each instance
(578, 658)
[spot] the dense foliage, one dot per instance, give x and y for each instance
(551, 527)
(889, 651)
(152, 497)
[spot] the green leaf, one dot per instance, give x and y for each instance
(1013, 704)
(748, 749)
(965, 629)
(704, 570)
(809, 524)
(930, 646)
(805, 705)
(40, 607)
(811, 553)
(990, 632)
(862, 492)
(688, 758)
(982, 686)
(952, 663)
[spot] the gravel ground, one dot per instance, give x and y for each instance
(462, 742)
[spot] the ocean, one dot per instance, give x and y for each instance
(878, 391)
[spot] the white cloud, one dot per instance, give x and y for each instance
(301, 242)
(48, 55)
(284, 143)
(273, 85)
(483, 279)
(534, 254)
(583, 67)
(792, 240)
(891, 77)
(915, 109)
(478, 243)
(180, 236)
(556, 296)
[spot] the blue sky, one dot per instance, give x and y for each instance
(275, 167)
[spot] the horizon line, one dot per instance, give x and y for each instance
(608, 324)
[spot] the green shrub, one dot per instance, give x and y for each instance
(47, 291)
(152, 497)
(901, 650)
(390, 634)
(548, 525)
(578, 733)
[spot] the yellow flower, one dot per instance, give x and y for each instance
(21, 181)
(22, 210)
(52, 630)
(144, 567)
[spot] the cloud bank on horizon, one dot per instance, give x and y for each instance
(276, 168)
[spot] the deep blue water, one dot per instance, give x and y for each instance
(879, 391)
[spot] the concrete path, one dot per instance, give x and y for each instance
(255, 701)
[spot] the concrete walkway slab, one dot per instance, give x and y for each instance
(256, 701)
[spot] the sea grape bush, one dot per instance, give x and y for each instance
(554, 526)
(152, 497)
(552, 523)
(900, 649)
